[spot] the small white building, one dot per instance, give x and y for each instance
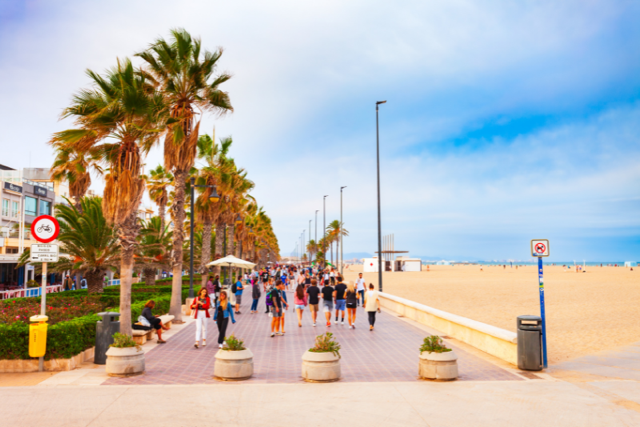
(370, 265)
(404, 263)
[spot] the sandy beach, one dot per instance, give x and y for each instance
(586, 312)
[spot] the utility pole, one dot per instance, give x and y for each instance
(324, 229)
(341, 232)
(379, 220)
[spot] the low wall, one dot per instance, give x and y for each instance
(490, 339)
(31, 365)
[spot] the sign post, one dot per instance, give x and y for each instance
(540, 249)
(44, 229)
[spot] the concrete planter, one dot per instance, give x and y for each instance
(124, 362)
(438, 366)
(233, 365)
(320, 367)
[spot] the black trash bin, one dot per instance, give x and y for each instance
(105, 329)
(530, 343)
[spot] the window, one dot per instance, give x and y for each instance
(5, 207)
(15, 209)
(45, 207)
(30, 206)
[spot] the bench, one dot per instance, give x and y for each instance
(141, 337)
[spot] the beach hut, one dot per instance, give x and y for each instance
(404, 263)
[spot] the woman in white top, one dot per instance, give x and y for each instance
(371, 305)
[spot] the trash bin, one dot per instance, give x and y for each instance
(530, 343)
(105, 329)
(38, 336)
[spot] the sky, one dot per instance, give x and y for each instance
(504, 121)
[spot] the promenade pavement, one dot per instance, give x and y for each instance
(379, 385)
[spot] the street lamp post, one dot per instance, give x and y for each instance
(379, 221)
(317, 227)
(341, 242)
(324, 229)
(213, 196)
(309, 242)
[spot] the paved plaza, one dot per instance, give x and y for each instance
(379, 385)
(389, 353)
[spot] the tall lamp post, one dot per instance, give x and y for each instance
(324, 229)
(341, 243)
(317, 227)
(379, 221)
(213, 196)
(309, 242)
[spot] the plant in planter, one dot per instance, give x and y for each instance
(321, 363)
(437, 362)
(124, 358)
(234, 362)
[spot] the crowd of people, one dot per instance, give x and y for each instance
(315, 288)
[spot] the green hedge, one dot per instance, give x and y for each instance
(64, 339)
(69, 338)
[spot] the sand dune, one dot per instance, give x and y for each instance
(586, 312)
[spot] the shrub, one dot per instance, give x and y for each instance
(326, 344)
(123, 341)
(58, 309)
(233, 344)
(433, 344)
(32, 284)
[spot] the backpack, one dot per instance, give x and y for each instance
(234, 288)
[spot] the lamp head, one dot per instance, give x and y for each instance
(238, 219)
(213, 196)
(380, 102)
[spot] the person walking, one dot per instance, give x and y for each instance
(276, 311)
(268, 287)
(238, 292)
(68, 283)
(255, 294)
(312, 299)
(300, 301)
(221, 316)
(371, 305)
(352, 304)
(341, 290)
(283, 295)
(360, 287)
(211, 290)
(217, 287)
(328, 295)
(200, 307)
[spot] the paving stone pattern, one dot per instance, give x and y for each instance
(389, 353)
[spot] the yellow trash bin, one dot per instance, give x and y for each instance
(38, 336)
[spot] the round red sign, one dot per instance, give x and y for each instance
(45, 229)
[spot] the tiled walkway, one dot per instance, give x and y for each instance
(390, 353)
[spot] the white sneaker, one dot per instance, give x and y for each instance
(343, 322)
(314, 325)
(204, 343)
(220, 345)
(272, 335)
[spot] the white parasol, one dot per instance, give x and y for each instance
(232, 261)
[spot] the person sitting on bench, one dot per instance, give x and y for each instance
(153, 320)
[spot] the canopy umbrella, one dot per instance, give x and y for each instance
(232, 261)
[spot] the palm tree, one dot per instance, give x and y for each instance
(185, 76)
(158, 181)
(73, 162)
(89, 241)
(123, 107)
(154, 248)
(334, 231)
(213, 173)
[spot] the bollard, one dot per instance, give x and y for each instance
(105, 329)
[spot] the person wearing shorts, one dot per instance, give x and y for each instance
(312, 293)
(352, 305)
(276, 310)
(300, 301)
(328, 295)
(341, 290)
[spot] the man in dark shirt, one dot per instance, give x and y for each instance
(341, 302)
(312, 294)
(264, 276)
(276, 310)
(328, 294)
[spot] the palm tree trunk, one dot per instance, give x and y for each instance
(149, 276)
(178, 240)
(219, 244)
(230, 245)
(161, 211)
(94, 281)
(205, 256)
(128, 233)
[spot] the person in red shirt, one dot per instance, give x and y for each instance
(200, 307)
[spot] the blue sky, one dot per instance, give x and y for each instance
(505, 121)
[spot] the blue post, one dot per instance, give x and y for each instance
(544, 322)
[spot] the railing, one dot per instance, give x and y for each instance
(114, 282)
(29, 292)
